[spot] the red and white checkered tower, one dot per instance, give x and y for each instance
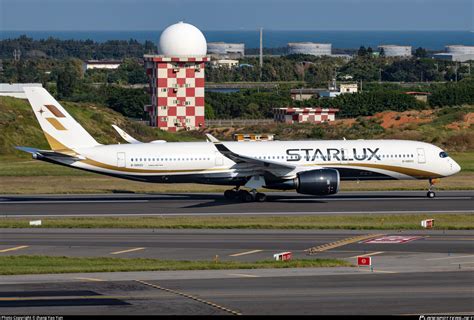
(177, 79)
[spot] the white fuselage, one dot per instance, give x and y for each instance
(185, 161)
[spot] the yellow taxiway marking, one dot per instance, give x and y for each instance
(367, 254)
(244, 253)
(340, 243)
(243, 275)
(445, 258)
(125, 251)
(89, 279)
(189, 296)
(14, 248)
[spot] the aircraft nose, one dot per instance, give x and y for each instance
(456, 167)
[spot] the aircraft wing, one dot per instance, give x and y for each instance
(50, 154)
(125, 136)
(238, 158)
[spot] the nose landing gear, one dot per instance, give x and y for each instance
(431, 193)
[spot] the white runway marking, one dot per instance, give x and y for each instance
(129, 250)
(367, 255)
(71, 201)
(244, 253)
(243, 275)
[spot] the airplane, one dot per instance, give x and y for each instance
(310, 167)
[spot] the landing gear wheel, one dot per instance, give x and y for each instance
(431, 193)
(230, 194)
(260, 197)
(245, 196)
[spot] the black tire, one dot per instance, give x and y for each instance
(431, 194)
(260, 197)
(230, 194)
(245, 196)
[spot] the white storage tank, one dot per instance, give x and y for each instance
(460, 49)
(224, 48)
(391, 50)
(315, 49)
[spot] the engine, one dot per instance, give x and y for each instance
(319, 182)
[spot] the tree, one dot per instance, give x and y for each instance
(382, 52)
(362, 52)
(370, 51)
(421, 53)
(68, 78)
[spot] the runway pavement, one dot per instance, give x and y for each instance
(391, 202)
(363, 293)
(406, 278)
(227, 244)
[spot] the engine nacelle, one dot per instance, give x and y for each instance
(319, 182)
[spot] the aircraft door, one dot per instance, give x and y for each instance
(219, 159)
(421, 155)
(121, 159)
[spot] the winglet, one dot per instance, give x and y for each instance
(125, 136)
(211, 138)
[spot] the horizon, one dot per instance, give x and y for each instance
(237, 15)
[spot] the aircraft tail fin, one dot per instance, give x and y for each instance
(59, 127)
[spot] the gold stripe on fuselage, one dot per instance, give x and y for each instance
(416, 173)
(134, 170)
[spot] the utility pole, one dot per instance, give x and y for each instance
(261, 52)
(456, 69)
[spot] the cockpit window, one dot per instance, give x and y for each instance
(443, 154)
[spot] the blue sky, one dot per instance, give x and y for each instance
(59, 15)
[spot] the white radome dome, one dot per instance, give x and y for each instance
(182, 40)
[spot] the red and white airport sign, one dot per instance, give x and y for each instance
(364, 261)
(282, 256)
(393, 239)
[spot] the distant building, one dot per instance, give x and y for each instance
(15, 90)
(421, 96)
(300, 115)
(252, 137)
(100, 64)
(227, 50)
(391, 50)
(459, 53)
(309, 93)
(225, 63)
(315, 49)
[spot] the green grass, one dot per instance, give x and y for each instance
(353, 222)
(19, 127)
(465, 160)
(11, 265)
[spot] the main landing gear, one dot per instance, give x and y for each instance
(431, 193)
(244, 195)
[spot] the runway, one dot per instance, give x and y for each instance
(364, 293)
(287, 203)
(405, 278)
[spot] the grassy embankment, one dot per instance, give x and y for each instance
(20, 175)
(353, 222)
(11, 265)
